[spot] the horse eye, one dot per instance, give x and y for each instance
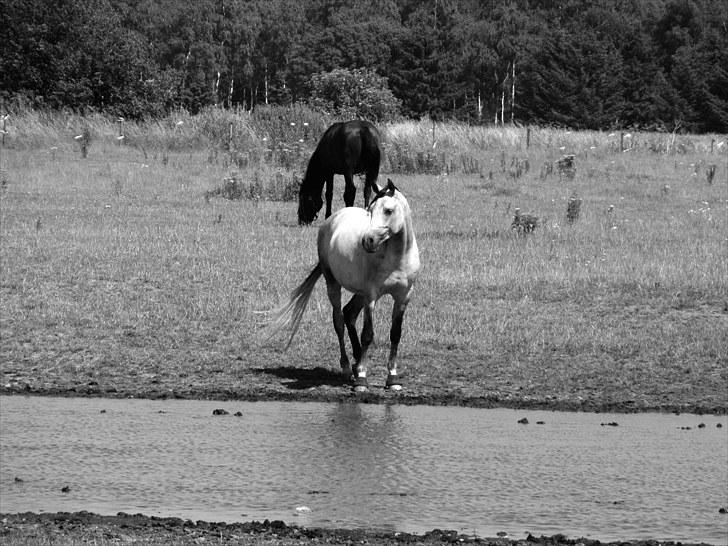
(388, 212)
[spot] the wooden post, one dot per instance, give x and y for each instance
(120, 120)
(621, 141)
(230, 138)
(5, 118)
(528, 137)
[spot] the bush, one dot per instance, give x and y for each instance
(357, 93)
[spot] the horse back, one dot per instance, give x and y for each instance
(351, 146)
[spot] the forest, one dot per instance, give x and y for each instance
(643, 64)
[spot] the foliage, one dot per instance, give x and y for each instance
(357, 93)
(660, 64)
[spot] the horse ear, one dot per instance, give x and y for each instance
(390, 185)
(375, 189)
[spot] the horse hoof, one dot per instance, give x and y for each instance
(393, 383)
(361, 384)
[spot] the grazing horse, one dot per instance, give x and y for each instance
(346, 148)
(371, 253)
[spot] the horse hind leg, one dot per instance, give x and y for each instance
(329, 194)
(349, 189)
(333, 289)
(367, 336)
(371, 178)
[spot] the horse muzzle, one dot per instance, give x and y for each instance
(374, 238)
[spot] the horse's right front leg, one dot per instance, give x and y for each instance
(367, 336)
(329, 194)
(351, 313)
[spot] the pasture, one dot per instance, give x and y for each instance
(128, 273)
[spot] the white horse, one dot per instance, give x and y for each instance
(370, 253)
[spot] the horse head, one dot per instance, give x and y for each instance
(308, 205)
(387, 213)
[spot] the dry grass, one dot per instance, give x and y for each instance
(118, 277)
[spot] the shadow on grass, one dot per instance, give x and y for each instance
(305, 378)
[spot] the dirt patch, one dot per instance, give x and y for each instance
(286, 383)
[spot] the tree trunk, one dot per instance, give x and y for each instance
(513, 89)
(230, 92)
(265, 83)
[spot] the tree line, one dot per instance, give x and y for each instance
(649, 64)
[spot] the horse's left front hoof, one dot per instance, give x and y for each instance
(361, 384)
(393, 383)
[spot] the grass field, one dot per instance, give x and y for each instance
(123, 274)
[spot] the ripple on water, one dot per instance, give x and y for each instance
(409, 468)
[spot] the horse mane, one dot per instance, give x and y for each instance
(393, 191)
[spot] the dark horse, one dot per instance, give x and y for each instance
(346, 148)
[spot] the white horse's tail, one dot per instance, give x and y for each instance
(292, 312)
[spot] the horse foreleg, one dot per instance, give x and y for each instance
(367, 336)
(333, 290)
(329, 194)
(349, 189)
(351, 313)
(395, 334)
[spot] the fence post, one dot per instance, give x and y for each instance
(120, 120)
(230, 138)
(528, 137)
(5, 118)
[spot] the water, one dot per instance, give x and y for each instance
(349, 465)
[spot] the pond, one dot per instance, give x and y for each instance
(406, 468)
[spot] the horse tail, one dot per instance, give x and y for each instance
(292, 313)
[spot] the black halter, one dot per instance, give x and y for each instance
(387, 190)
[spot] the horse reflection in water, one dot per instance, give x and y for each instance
(370, 253)
(346, 148)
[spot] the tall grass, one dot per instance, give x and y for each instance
(116, 271)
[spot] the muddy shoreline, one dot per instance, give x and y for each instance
(376, 396)
(64, 527)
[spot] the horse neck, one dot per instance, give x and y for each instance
(313, 180)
